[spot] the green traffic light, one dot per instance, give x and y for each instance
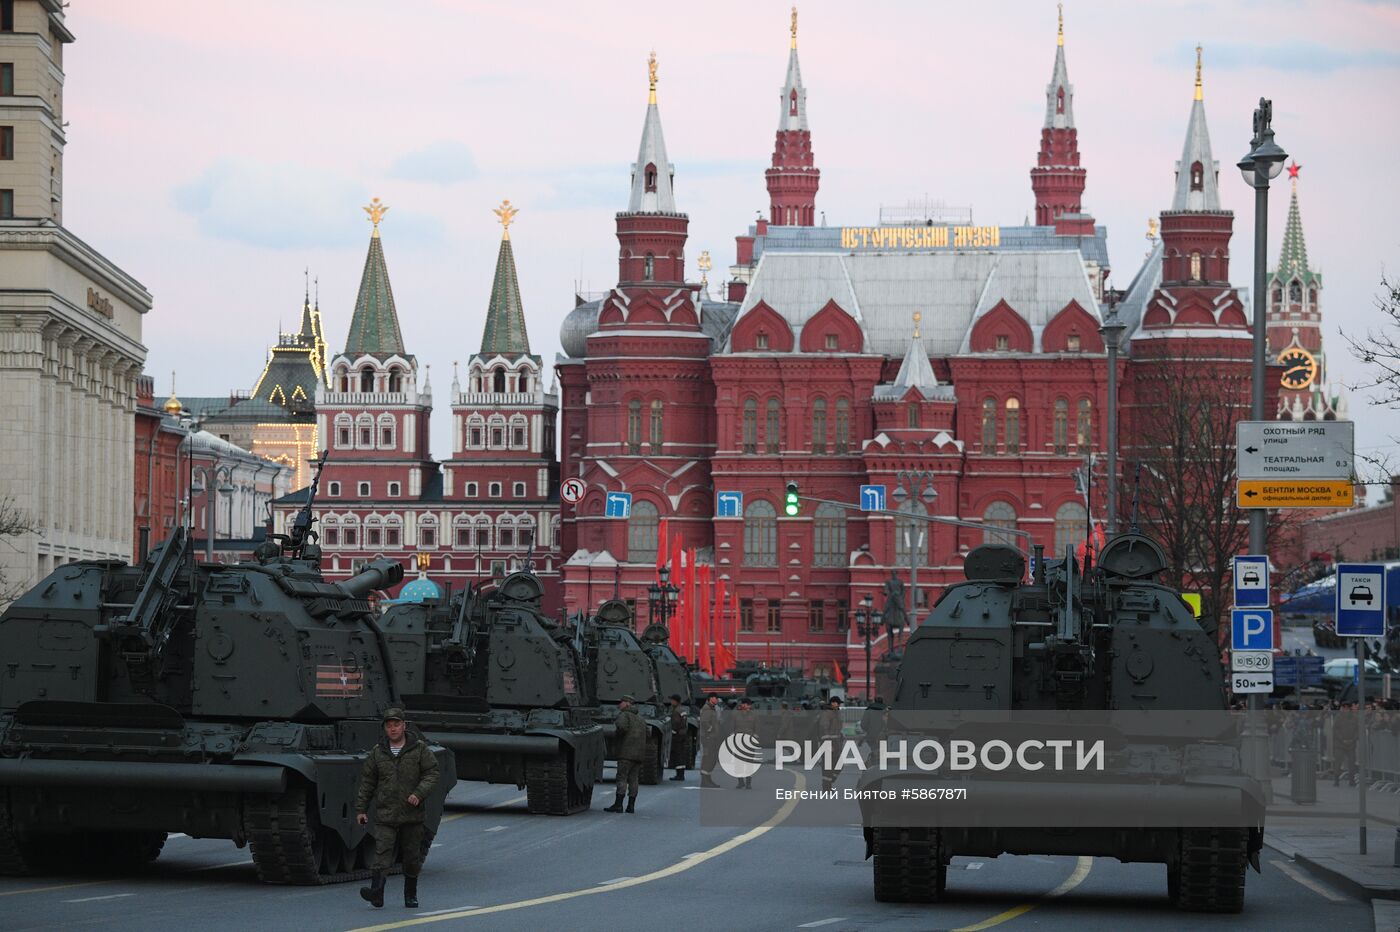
(790, 505)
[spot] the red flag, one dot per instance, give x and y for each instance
(733, 628)
(717, 624)
(691, 634)
(837, 675)
(661, 547)
(678, 630)
(702, 612)
(724, 655)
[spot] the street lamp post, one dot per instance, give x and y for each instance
(660, 596)
(1261, 165)
(867, 624)
(920, 483)
(1112, 332)
(210, 477)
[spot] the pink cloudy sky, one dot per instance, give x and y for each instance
(217, 148)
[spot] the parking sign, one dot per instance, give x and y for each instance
(1360, 600)
(1251, 629)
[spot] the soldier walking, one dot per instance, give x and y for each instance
(680, 738)
(398, 775)
(710, 737)
(631, 751)
(829, 727)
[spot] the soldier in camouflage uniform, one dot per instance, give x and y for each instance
(680, 738)
(631, 751)
(398, 775)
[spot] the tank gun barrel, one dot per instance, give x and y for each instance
(379, 574)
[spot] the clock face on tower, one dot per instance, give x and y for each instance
(1299, 368)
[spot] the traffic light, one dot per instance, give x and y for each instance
(790, 505)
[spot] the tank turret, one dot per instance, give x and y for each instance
(502, 686)
(1110, 644)
(619, 664)
(225, 701)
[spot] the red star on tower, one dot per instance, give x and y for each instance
(1293, 170)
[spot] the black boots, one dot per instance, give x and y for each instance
(680, 774)
(410, 892)
(617, 804)
(631, 804)
(374, 893)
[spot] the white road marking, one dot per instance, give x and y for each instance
(94, 899)
(821, 922)
(496, 828)
(1299, 877)
(604, 883)
(214, 867)
(508, 802)
(976, 865)
(438, 912)
(173, 835)
(693, 854)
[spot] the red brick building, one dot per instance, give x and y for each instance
(159, 482)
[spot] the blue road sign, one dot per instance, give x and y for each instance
(872, 498)
(729, 504)
(1360, 600)
(1310, 670)
(1251, 629)
(1285, 671)
(1251, 582)
(619, 505)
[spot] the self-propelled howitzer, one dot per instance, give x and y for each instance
(220, 701)
(1110, 654)
(618, 665)
(499, 684)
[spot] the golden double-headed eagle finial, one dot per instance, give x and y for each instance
(376, 211)
(1198, 71)
(505, 214)
(794, 27)
(1060, 39)
(651, 76)
(917, 317)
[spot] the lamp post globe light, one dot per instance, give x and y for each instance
(661, 597)
(915, 482)
(1112, 331)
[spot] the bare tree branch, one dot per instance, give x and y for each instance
(14, 522)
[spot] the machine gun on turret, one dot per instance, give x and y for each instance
(300, 541)
(142, 634)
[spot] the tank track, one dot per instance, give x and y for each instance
(283, 841)
(549, 790)
(909, 865)
(1208, 876)
(651, 770)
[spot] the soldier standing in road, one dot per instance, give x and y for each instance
(398, 775)
(710, 737)
(631, 751)
(680, 738)
(829, 726)
(744, 721)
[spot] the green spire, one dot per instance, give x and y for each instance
(1292, 258)
(374, 329)
(505, 316)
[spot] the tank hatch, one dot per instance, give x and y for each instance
(995, 563)
(614, 612)
(521, 587)
(1132, 556)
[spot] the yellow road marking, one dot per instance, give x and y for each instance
(61, 886)
(690, 860)
(1308, 882)
(508, 802)
(1081, 870)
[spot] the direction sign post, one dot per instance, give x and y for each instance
(729, 504)
(1295, 464)
(1251, 582)
(1251, 682)
(872, 498)
(1361, 600)
(619, 505)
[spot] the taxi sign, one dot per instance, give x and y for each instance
(1251, 582)
(1360, 600)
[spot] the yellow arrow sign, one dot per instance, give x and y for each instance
(1301, 493)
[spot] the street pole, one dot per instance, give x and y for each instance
(1361, 741)
(1263, 162)
(1112, 329)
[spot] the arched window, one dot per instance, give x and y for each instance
(386, 431)
(395, 379)
(1070, 527)
(656, 426)
(1084, 425)
(1295, 292)
(819, 426)
(342, 377)
(525, 533)
(634, 426)
(519, 436)
(911, 416)
(1195, 266)
(364, 431)
(829, 535)
(1278, 297)
(505, 533)
(641, 533)
(760, 534)
(1312, 298)
(476, 432)
(498, 381)
(1060, 101)
(483, 533)
(367, 379)
(344, 427)
(1013, 425)
(771, 436)
(1061, 427)
(498, 432)
(750, 438)
(1197, 177)
(649, 268)
(989, 425)
(792, 102)
(843, 425)
(911, 535)
(649, 177)
(998, 515)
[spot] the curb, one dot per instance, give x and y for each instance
(1341, 878)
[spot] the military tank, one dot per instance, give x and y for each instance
(1114, 647)
(618, 665)
(489, 677)
(221, 701)
(673, 674)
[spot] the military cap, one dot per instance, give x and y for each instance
(628, 698)
(676, 697)
(394, 714)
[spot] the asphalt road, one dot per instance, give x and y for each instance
(494, 866)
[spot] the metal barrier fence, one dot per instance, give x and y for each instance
(1382, 746)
